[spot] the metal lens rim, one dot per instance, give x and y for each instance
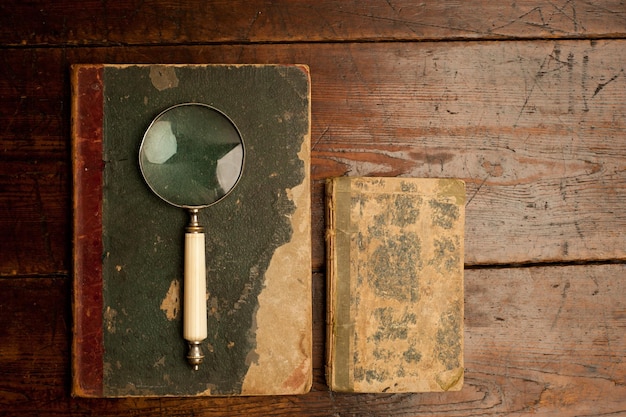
(215, 109)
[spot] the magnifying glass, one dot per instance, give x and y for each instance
(192, 156)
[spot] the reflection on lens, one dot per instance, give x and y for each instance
(192, 155)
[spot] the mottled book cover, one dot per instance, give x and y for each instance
(395, 284)
(128, 243)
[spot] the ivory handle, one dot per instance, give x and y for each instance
(194, 287)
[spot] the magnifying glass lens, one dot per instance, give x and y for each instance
(191, 155)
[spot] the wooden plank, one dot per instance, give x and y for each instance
(157, 22)
(34, 217)
(534, 128)
(530, 328)
(35, 177)
(34, 99)
(541, 340)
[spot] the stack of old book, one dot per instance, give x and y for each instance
(394, 251)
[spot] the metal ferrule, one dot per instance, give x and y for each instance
(194, 224)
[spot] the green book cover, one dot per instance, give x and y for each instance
(128, 243)
(395, 284)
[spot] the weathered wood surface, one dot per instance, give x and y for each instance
(536, 129)
(133, 22)
(542, 340)
(535, 125)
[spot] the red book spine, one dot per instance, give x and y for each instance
(87, 132)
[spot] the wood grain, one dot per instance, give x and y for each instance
(541, 340)
(34, 217)
(534, 128)
(524, 100)
(132, 22)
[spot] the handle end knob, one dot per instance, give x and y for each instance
(195, 356)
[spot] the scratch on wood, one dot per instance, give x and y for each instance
(545, 18)
(320, 138)
(563, 297)
(584, 82)
(252, 23)
(572, 17)
(601, 86)
(538, 75)
(477, 190)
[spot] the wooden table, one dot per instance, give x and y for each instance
(524, 100)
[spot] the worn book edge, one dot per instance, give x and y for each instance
(87, 116)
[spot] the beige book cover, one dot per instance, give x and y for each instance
(395, 284)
